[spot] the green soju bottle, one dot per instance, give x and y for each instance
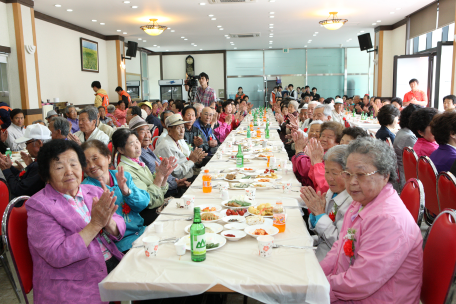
(240, 158)
(354, 113)
(255, 121)
(266, 131)
(198, 237)
(248, 133)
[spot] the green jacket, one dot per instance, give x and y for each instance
(144, 179)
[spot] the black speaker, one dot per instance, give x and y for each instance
(132, 47)
(365, 42)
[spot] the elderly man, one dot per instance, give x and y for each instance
(198, 107)
(88, 127)
(170, 146)
(108, 130)
(59, 127)
(204, 125)
(26, 181)
(323, 112)
(183, 144)
(149, 158)
(303, 113)
(72, 117)
(310, 111)
(103, 118)
(337, 113)
(50, 114)
(151, 118)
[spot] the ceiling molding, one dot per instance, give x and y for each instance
(187, 53)
(28, 3)
(5, 49)
(149, 52)
(391, 27)
(74, 27)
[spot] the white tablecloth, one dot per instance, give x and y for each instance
(287, 276)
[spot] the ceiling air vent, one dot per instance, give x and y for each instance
(246, 35)
(231, 1)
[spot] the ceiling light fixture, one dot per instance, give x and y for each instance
(126, 2)
(271, 13)
(271, 0)
(202, 3)
(271, 27)
(374, 23)
(333, 23)
(194, 45)
(270, 47)
(392, 13)
(235, 48)
(221, 29)
(398, 8)
(211, 15)
(379, 21)
(69, 10)
(153, 29)
(144, 41)
(172, 31)
(124, 33)
(139, 38)
(94, 20)
(201, 49)
(305, 46)
(271, 16)
(57, 5)
(361, 31)
(167, 50)
(271, 24)
(134, 6)
(213, 18)
(155, 45)
(185, 39)
(102, 23)
(219, 26)
(119, 30)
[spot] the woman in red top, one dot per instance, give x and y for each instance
(227, 117)
(415, 96)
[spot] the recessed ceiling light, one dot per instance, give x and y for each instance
(392, 13)
(271, 0)
(305, 46)
(201, 49)
(69, 10)
(361, 31)
(126, 2)
(139, 38)
(219, 26)
(158, 46)
(271, 23)
(270, 47)
(271, 13)
(185, 39)
(167, 50)
(155, 45)
(379, 20)
(398, 8)
(211, 15)
(57, 5)
(271, 27)
(271, 16)
(270, 40)
(228, 37)
(202, 3)
(94, 20)
(316, 32)
(172, 31)
(310, 41)
(194, 45)
(134, 6)
(213, 18)
(374, 23)
(235, 48)
(124, 33)
(102, 23)
(221, 29)
(314, 35)
(119, 30)
(144, 41)
(182, 37)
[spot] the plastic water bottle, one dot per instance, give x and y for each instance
(207, 178)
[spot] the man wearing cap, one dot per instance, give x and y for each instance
(170, 146)
(151, 118)
(337, 113)
(310, 108)
(183, 144)
(149, 158)
(50, 114)
(26, 181)
(303, 114)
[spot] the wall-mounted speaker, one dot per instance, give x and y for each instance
(365, 42)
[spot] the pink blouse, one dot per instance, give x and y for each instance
(121, 116)
(423, 147)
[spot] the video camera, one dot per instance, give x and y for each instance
(192, 82)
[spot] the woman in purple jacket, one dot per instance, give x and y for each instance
(71, 229)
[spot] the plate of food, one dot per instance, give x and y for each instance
(234, 177)
(257, 220)
(269, 174)
(263, 150)
(210, 228)
(209, 217)
(259, 230)
(262, 209)
(213, 241)
(217, 176)
(262, 186)
(229, 212)
(234, 219)
(237, 204)
(210, 208)
(239, 186)
(250, 171)
(235, 226)
(264, 155)
(264, 180)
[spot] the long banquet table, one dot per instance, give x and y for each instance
(287, 276)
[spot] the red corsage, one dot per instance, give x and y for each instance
(126, 209)
(22, 173)
(349, 245)
(305, 129)
(332, 216)
(348, 248)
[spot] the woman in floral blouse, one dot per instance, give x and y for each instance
(130, 199)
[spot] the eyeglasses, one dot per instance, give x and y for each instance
(207, 114)
(30, 141)
(360, 176)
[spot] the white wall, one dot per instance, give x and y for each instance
(211, 64)
(154, 76)
(4, 37)
(59, 61)
(133, 66)
(30, 58)
(393, 44)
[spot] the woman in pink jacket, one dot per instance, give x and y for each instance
(227, 121)
(121, 112)
(419, 124)
(378, 257)
(71, 229)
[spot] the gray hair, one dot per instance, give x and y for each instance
(382, 155)
(197, 105)
(91, 111)
(327, 109)
(336, 154)
(316, 122)
(67, 109)
(38, 121)
(111, 109)
(294, 103)
(61, 124)
(314, 102)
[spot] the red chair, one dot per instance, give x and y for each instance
(446, 190)
(389, 142)
(413, 197)
(427, 174)
(4, 197)
(409, 159)
(110, 146)
(155, 132)
(14, 230)
(439, 260)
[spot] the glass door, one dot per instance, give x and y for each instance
(166, 92)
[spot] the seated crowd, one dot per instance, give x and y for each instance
(97, 178)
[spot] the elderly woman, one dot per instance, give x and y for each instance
(352, 133)
(443, 126)
(127, 144)
(72, 229)
(227, 121)
(419, 124)
(404, 138)
(378, 257)
(387, 118)
(330, 135)
(328, 209)
(110, 114)
(72, 117)
(130, 199)
(88, 127)
(121, 112)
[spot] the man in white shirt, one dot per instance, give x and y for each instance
(310, 108)
(303, 114)
(15, 130)
(337, 113)
(88, 127)
(182, 142)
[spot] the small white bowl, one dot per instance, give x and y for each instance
(236, 226)
(240, 219)
(271, 230)
(237, 233)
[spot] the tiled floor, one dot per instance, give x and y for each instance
(7, 295)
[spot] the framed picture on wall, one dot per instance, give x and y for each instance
(89, 56)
